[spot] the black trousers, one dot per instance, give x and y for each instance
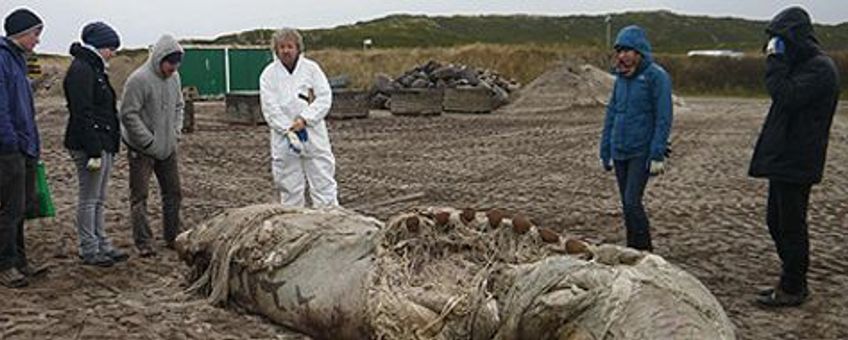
(787, 222)
(17, 193)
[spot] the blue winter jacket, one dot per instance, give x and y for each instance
(18, 132)
(639, 113)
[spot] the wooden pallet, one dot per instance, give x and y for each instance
(468, 100)
(244, 108)
(349, 104)
(417, 102)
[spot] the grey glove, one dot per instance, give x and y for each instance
(657, 167)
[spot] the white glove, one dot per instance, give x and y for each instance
(94, 164)
(657, 167)
(294, 142)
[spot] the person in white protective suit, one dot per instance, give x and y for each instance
(296, 96)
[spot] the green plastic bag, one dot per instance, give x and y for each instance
(45, 207)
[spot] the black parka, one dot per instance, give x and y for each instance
(804, 87)
(93, 125)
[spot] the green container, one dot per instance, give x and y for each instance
(204, 68)
(216, 71)
(245, 67)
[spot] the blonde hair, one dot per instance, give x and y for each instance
(286, 34)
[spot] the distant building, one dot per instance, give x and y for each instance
(716, 53)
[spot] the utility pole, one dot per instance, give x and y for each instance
(608, 20)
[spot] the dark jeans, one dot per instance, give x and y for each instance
(787, 222)
(632, 175)
(17, 194)
(168, 176)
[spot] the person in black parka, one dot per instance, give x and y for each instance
(803, 84)
(93, 137)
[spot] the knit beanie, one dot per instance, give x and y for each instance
(21, 20)
(100, 35)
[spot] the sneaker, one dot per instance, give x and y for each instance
(34, 270)
(779, 298)
(99, 260)
(116, 255)
(770, 291)
(12, 278)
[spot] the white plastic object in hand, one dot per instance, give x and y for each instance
(775, 46)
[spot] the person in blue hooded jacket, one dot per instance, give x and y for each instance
(636, 128)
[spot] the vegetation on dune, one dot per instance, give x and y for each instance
(520, 62)
(524, 46)
(669, 32)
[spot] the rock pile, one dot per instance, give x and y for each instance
(435, 75)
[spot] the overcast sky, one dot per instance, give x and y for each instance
(140, 22)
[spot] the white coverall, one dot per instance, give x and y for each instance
(279, 93)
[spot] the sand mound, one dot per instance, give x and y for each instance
(567, 86)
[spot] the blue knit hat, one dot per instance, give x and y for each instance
(100, 35)
(21, 20)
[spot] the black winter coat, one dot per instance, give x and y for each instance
(804, 87)
(93, 124)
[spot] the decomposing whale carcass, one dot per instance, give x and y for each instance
(441, 273)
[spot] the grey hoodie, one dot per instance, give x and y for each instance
(152, 107)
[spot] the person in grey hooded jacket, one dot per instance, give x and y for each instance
(151, 117)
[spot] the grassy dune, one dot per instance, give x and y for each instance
(520, 62)
(690, 76)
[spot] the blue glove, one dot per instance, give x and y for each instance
(302, 135)
(296, 140)
(775, 46)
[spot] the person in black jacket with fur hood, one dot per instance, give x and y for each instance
(93, 137)
(804, 87)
